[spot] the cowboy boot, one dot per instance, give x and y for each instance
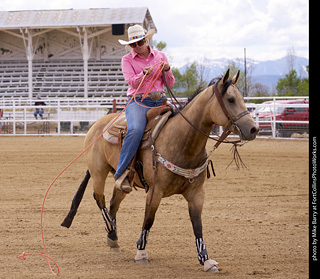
(123, 184)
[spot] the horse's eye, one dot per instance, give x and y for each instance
(231, 100)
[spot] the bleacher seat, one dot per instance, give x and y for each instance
(63, 78)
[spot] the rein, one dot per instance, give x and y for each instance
(226, 132)
(232, 120)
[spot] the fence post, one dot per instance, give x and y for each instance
(25, 120)
(274, 119)
(14, 118)
(71, 122)
(114, 106)
(58, 110)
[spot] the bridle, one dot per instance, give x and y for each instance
(231, 120)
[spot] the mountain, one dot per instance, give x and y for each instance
(265, 72)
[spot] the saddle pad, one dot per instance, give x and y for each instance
(119, 125)
(119, 129)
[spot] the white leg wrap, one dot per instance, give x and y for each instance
(202, 251)
(110, 223)
(141, 256)
(210, 266)
(142, 242)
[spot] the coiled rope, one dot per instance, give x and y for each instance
(153, 79)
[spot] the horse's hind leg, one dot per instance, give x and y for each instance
(99, 178)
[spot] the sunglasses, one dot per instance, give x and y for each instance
(139, 43)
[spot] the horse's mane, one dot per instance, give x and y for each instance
(201, 88)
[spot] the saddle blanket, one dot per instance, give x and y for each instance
(157, 118)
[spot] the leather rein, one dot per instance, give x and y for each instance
(232, 120)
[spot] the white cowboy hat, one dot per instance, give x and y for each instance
(136, 33)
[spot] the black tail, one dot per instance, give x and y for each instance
(76, 201)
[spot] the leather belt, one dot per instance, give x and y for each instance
(154, 96)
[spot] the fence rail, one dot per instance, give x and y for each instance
(74, 116)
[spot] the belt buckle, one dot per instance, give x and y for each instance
(155, 96)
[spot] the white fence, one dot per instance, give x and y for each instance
(281, 117)
(75, 116)
(60, 116)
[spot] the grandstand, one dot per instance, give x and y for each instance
(65, 53)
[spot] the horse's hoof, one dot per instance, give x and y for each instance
(142, 261)
(213, 269)
(210, 266)
(113, 244)
(141, 256)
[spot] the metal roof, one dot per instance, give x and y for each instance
(71, 17)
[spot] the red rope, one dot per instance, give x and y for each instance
(23, 257)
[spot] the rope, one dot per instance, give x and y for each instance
(23, 255)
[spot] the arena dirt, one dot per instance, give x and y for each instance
(255, 220)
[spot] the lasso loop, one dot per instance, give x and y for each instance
(153, 79)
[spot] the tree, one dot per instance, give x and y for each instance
(241, 81)
(202, 74)
(292, 85)
(178, 84)
(160, 46)
(303, 87)
(291, 58)
(187, 82)
(259, 90)
(288, 86)
(191, 78)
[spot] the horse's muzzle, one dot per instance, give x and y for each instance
(246, 131)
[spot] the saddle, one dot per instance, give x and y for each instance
(115, 134)
(156, 119)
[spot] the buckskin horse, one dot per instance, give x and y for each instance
(182, 144)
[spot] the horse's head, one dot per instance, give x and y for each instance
(229, 109)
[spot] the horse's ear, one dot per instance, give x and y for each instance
(236, 77)
(225, 77)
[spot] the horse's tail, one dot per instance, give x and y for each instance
(76, 201)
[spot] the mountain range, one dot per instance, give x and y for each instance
(265, 72)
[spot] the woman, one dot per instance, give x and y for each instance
(141, 61)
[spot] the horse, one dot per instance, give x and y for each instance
(182, 143)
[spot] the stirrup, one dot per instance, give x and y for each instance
(123, 184)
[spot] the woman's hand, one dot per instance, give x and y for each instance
(148, 70)
(166, 66)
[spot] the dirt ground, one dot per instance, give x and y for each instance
(255, 220)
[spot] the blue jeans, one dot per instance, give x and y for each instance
(38, 111)
(136, 123)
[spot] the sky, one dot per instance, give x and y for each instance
(195, 30)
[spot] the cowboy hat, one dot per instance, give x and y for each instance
(136, 33)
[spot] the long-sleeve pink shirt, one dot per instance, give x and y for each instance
(132, 68)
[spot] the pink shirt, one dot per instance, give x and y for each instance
(132, 68)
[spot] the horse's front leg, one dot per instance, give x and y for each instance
(195, 200)
(152, 204)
